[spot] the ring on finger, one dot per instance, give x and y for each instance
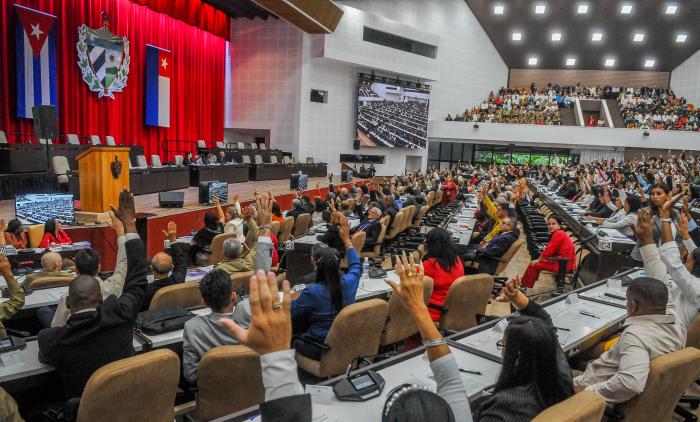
(277, 305)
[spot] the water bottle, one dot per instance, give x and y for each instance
(365, 268)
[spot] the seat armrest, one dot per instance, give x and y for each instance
(314, 342)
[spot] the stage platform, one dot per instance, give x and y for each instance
(188, 219)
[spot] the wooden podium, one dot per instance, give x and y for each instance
(97, 168)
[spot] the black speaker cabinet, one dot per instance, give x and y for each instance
(171, 199)
(45, 122)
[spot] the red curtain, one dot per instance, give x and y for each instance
(194, 12)
(197, 82)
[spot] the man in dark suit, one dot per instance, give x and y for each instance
(98, 331)
(488, 257)
(167, 269)
(297, 209)
(372, 227)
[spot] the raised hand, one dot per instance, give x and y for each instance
(171, 231)
(411, 288)
(235, 197)
(666, 209)
(642, 230)
(264, 207)
(270, 328)
(247, 212)
(3, 224)
(344, 229)
(511, 293)
(126, 211)
(5, 268)
(682, 225)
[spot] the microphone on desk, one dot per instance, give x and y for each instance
(360, 387)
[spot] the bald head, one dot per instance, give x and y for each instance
(161, 265)
(84, 293)
(51, 261)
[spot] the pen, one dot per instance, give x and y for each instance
(588, 314)
(562, 329)
(614, 296)
(470, 371)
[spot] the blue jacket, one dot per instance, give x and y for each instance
(313, 308)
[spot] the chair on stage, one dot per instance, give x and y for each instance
(95, 140)
(109, 139)
(179, 160)
(146, 385)
(273, 159)
(35, 234)
(253, 145)
(294, 160)
(155, 161)
(72, 139)
(262, 146)
(141, 162)
(61, 169)
(3, 138)
(201, 144)
(246, 159)
(258, 159)
(309, 160)
(240, 145)
(286, 160)
(43, 141)
(220, 145)
(186, 295)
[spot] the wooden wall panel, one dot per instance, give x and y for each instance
(520, 78)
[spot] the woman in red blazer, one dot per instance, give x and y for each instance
(442, 264)
(560, 246)
(449, 191)
(54, 235)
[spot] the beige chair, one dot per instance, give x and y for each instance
(262, 146)
(240, 282)
(217, 248)
(155, 161)
(421, 214)
(467, 297)
(358, 241)
(510, 253)
(61, 169)
(141, 161)
(201, 144)
(273, 159)
(49, 281)
(179, 160)
(275, 227)
(669, 375)
(43, 141)
(302, 224)
(3, 138)
(429, 199)
(409, 212)
(186, 295)
(693, 339)
(240, 145)
(220, 144)
(72, 139)
(355, 332)
(377, 251)
(145, 386)
(109, 139)
(385, 220)
(95, 140)
(286, 160)
(294, 160)
(397, 225)
(35, 233)
(254, 145)
(285, 231)
(309, 160)
(218, 394)
(400, 324)
(246, 159)
(585, 406)
(258, 159)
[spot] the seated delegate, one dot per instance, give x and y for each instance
(54, 235)
(560, 245)
(16, 234)
(167, 269)
(443, 265)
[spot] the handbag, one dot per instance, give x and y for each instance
(163, 320)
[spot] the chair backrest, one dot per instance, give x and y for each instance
(275, 227)
(109, 139)
(186, 295)
(155, 161)
(217, 248)
(669, 376)
(286, 160)
(385, 220)
(258, 159)
(273, 159)
(60, 165)
(147, 382)
(3, 138)
(294, 159)
(262, 146)
(217, 394)
(201, 144)
(72, 139)
(246, 159)
(49, 281)
(585, 406)
(36, 232)
(409, 212)
(467, 296)
(285, 229)
(141, 161)
(95, 140)
(396, 225)
(693, 339)
(220, 144)
(43, 141)
(302, 224)
(400, 324)
(429, 199)
(421, 215)
(253, 145)
(510, 253)
(240, 282)
(179, 160)
(355, 332)
(309, 160)
(241, 145)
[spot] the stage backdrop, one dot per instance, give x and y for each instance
(197, 78)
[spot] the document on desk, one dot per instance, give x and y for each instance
(589, 314)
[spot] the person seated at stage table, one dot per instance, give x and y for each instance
(316, 307)
(372, 226)
(239, 256)
(16, 234)
(204, 332)
(87, 262)
(443, 265)
(332, 235)
(15, 295)
(297, 209)
(167, 269)
(99, 330)
(200, 248)
(51, 266)
(489, 255)
(54, 235)
(626, 214)
(188, 159)
(560, 245)
(222, 158)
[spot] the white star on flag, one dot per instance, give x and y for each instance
(36, 32)
(164, 63)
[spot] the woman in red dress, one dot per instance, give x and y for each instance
(449, 191)
(560, 246)
(442, 264)
(54, 235)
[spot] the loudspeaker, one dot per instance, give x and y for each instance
(45, 122)
(171, 199)
(356, 144)
(346, 176)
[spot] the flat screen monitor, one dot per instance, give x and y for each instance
(213, 189)
(38, 208)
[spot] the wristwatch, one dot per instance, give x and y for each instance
(434, 342)
(666, 220)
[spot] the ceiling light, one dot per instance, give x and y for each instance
(638, 37)
(609, 62)
(597, 36)
(498, 10)
(671, 9)
(626, 9)
(681, 37)
(532, 61)
(517, 36)
(649, 63)
(570, 61)
(539, 9)
(556, 36)
(582, 9)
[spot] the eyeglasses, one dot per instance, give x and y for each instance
(500, 345)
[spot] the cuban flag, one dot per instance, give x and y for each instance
(36, 60)
(158, 65)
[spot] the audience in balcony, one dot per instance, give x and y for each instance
(657, 109)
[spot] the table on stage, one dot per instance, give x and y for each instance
(283, 171)
(32, 257)
(160, 179)
(229, 173)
